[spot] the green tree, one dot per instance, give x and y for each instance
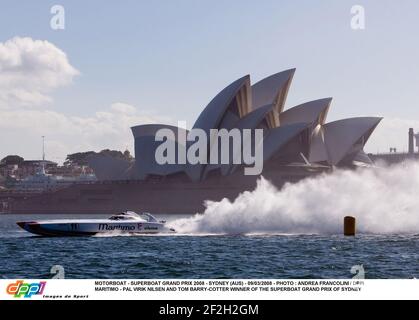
(12, 159)
(78, 159)
(81, 158)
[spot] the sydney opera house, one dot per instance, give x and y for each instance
(298, 142)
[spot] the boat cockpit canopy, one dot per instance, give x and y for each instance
(128, 215)
(131, 215)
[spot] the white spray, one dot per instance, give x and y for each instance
(384, 200)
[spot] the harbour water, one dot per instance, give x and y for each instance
(205, 255)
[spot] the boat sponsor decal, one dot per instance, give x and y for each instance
(20, 289)
(150, 228)
(112, 227)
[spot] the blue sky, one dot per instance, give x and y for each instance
(169, 58)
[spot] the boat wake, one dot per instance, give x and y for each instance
(177, 234)
(384, 200)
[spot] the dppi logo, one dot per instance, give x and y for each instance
(27, 290)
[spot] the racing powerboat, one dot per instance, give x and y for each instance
(121, 223)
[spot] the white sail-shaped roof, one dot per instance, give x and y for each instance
(318, 150)
(250, 121)
(237, 93)
(272, 90)
(340, 136)
(145, 149)
(224, 111)
(314, 112)
(279, 137)
(276, 139)
(287, 134)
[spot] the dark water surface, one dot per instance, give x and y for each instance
(192, 256)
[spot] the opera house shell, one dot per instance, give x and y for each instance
(298, 142)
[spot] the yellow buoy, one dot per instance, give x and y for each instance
(349, 226)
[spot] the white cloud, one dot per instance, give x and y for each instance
(29, 70)
(21, 131)
(123, 107)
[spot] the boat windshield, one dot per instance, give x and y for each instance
(129, 215)
(147, 216)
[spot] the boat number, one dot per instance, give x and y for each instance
(74, 226)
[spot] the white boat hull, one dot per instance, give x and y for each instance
(86, 228)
